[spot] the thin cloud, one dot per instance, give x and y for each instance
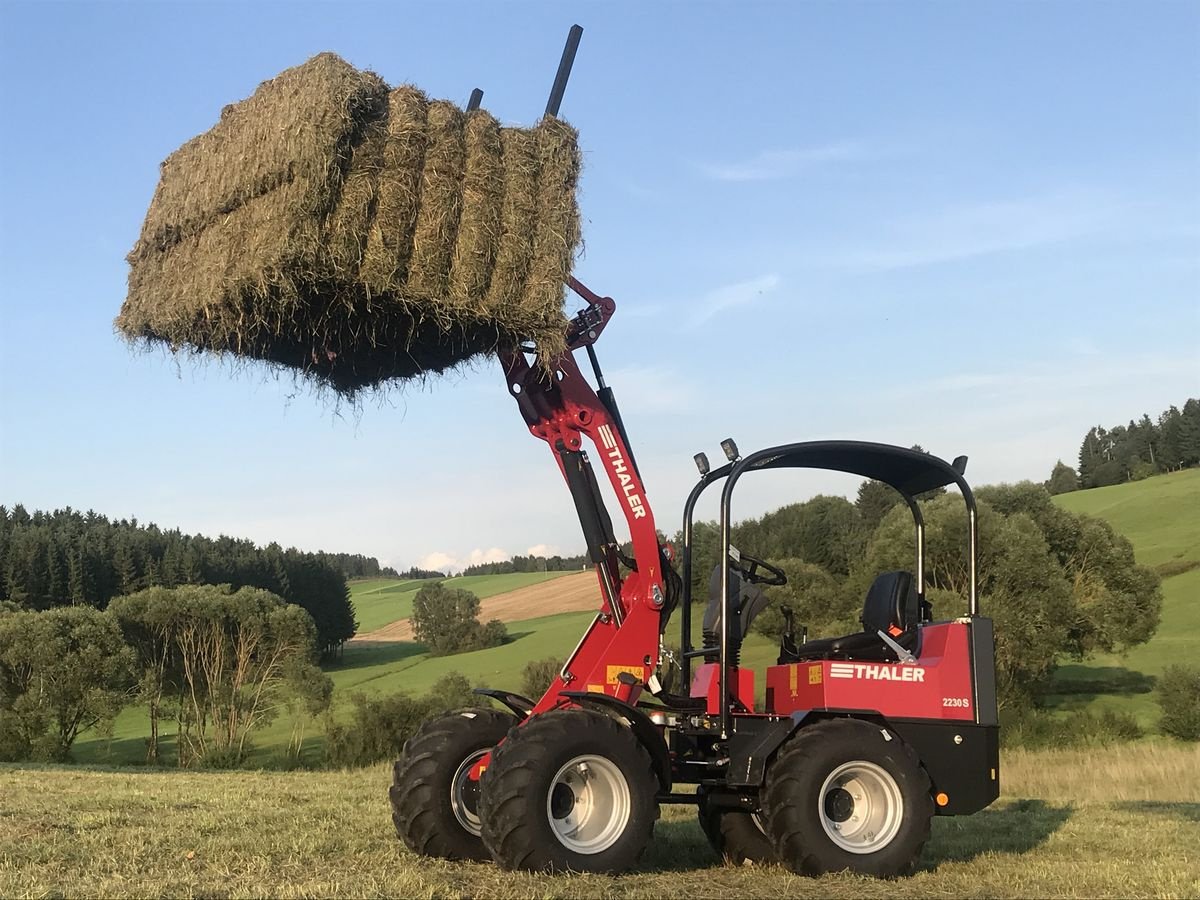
(733, 295)
(773, 164)
(655, 389)
(980, 229)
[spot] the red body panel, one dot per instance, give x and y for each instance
(741, 687)
(937, 686)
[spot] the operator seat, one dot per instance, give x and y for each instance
(746, 601)
(892, 606)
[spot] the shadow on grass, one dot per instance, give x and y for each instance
(1020, 827)
(1079, 679)
(374, 653)
(1188, 812)
(678, 845)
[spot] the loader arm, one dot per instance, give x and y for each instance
(560, 407)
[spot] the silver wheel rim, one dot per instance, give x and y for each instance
(588, 804)
(860, 807)
(467, 816)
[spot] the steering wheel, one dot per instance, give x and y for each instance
(748, 567)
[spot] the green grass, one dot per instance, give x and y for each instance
(381, 601)
(1161, 518)
(1160, 515)
(1091, 824)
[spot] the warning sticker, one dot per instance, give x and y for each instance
(637, 672)
(814, 674)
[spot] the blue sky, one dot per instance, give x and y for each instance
(973, 226)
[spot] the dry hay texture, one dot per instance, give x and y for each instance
(357, 234)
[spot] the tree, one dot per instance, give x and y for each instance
(1062, 479)
(815, 597)
(446, 620)
(1117, 602)
(1178, 690)
(874, 501)
(242, 655)
(1021, 586)
(61, 671)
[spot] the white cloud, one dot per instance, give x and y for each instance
(772, 164)
(448, 562)
(542, 550)
(437, 562)
(731, 295)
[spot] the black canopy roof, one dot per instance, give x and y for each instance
(910, 472)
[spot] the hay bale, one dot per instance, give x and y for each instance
(357, 234)
(518, 218)
(479, 223)
(441, 203)
(385, 263)
(557, 234)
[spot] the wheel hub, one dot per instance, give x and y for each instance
(589, 804)
(839, 804)
(861, 807)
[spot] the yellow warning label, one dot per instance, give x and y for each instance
(635, 671)
(794, 680)
(814, 674)
(595, 689)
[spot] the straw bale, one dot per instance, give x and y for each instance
(349, 226)
(357, 234)
(518, 218)
(296, 128)
(557, 233)
(389, 244)
(479, 223)
(441, 204)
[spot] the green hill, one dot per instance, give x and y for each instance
(1161, 518)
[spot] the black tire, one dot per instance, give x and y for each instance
(736, 835)
(883, 787)
(422, 795)
(523, 794)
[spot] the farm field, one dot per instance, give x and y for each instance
(1067, 825)
(381, 601)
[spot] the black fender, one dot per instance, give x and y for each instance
(643, 729)
(522, 706)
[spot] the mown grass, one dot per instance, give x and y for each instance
(1069, 824)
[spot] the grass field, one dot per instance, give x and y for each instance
(1161, 517)
(1069, 824)
(381, 601)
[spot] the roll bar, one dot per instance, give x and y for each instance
(909, 472)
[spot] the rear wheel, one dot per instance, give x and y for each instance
(846, 794)
(569, 790)
(737, 835)
(435, 804)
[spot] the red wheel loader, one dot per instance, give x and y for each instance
(858, 742)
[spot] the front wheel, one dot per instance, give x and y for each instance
(569, 790)
(847, 794)
(435, 804)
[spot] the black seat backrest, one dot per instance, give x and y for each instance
(891, 601)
